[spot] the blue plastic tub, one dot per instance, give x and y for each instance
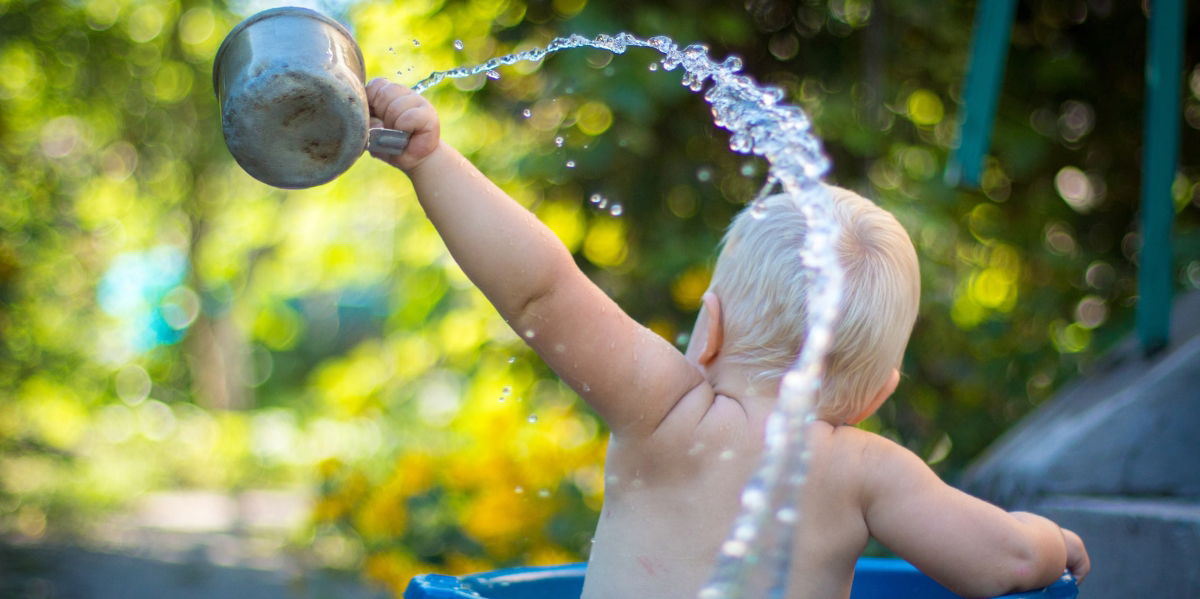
(874, 578)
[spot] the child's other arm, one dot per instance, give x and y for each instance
(629, 375)
(970, 546)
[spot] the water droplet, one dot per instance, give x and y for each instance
(493, 74)
(616, 210)
(416, 43)
(727, 455)
(391, 50)
(752, 498)
(519, 489)
(734, 548)
(570, 164)
(558, 141)
(786, 515)
(653, 66)
(704, 174)
(586, 387)
(662, 43)
(602, 204)
(458, 45)
(529, 333)
(532, 418)
(506, 390)
(596, 198)
(744, 532)
(543, 493)
(747, 170)
(512, 359)
(501, 398)
(527, 113)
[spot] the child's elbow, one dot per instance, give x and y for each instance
(1034, 573)
(1034, 557)
(1018, 568)
(1031, 566)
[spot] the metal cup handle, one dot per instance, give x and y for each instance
(387, 141)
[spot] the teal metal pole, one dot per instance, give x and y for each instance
(985, 74)
(1160, 156)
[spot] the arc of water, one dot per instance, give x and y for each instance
(760, 124)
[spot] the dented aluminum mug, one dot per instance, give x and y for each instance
(291, 85)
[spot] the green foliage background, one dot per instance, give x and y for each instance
(322, 338)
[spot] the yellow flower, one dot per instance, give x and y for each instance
(500, 518)
(328, 467)
(328, 509)
(550, 555)
(458, 564)
(384, 515)
(414, 473)
(355, 487)
(393, 569)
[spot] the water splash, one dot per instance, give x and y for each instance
(753, 562)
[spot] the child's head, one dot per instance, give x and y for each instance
(763, 292)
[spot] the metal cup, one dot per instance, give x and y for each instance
(291, 85)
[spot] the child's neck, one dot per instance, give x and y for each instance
(739, 381)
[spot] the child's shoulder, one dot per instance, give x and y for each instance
(845, 437)
(857, 455)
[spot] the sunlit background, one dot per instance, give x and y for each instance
(184, 348)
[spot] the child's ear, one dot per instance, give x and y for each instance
(881, 396)
(714, 331)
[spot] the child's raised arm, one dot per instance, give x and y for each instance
(972, 547)
(629, 375)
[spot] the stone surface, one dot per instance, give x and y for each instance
(1130, 427)
(1116, 458)
(1138, 547)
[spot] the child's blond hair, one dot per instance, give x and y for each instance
(763, 288)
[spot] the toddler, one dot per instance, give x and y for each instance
(687, 428)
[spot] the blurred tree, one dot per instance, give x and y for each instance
(171, 321)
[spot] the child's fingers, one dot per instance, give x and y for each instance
(375, 87)
(381, 93)
(401, 105)
(394, 106)
(1078, 562)
(417, 120)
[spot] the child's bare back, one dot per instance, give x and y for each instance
(687, 429)
(668, 508)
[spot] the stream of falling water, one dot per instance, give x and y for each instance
(751, 563)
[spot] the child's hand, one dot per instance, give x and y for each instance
(1077, 558)
(395, 106)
